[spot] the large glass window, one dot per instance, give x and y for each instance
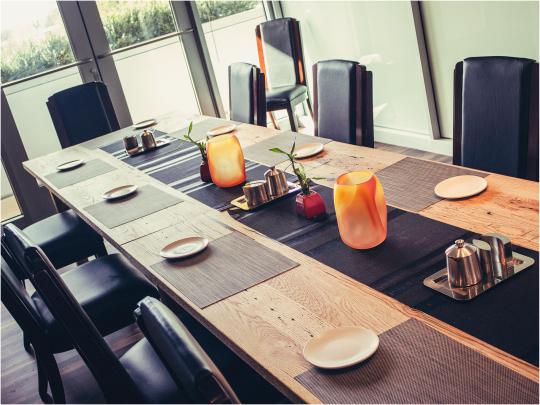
(229, 30)
(381, 36)
(155, 77)
(9, 208)
(33, 39)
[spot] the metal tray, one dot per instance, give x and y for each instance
(159, 144)
(241, 201)
(439, 281)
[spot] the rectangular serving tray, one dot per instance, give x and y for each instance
(241, 201)
(439, 281)
(160, 142)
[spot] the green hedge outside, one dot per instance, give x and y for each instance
(123, 27)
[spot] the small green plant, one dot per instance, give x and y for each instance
(200, 144)
(298, 168)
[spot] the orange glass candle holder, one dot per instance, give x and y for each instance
(226, 161)
(360, 209)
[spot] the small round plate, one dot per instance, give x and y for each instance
(221, 130)
(119, 192)
(184, 247)
(145, 124)
(308, 150)
(460, 187)
(341, 347)
(72, 164)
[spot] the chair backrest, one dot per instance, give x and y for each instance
(343, 101)
(496, 115)
(280, 52)
(247, 94)
(112, 377)
(189, 366)
(82, 113)
(17, 300)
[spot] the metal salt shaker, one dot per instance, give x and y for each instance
(463, 264)
(276, 182)
(148, 141)
(131, 144)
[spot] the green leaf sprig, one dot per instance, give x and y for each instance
(200, 144)
(298, 168)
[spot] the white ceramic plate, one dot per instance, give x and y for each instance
(145, 124)
(341, 347)
(72, 164)
(119, 192)
(460, 187)
(308, 150)
(184, 247)
(221, 130)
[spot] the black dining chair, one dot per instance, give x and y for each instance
(141, 375)
(247, 95)
(107, 289)
(496, 115)
(82, 113)
(343, 101)
(281, 59)
(65, 238)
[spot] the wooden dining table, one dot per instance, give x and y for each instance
(268, 324)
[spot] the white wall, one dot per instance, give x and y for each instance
(457, 30)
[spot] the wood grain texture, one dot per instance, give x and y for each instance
(508, 206)
(268, 324)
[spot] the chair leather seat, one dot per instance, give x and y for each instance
(64, 238)
(284, 95)
(107, 288)
(150, 374)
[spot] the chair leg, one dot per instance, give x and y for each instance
(54, 378)
(43, 382)
(273, 119)
(101, 250)
(309, 107)
(292, 118)
(27, 344)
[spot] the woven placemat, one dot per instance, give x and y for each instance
(416, 364)
(218, 272)
(89, 169)
(260, 151)
(409, 183)
(147, 200)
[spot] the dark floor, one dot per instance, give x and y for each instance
(19, 373)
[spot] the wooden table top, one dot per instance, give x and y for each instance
(268, 324)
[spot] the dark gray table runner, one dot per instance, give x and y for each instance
(88, 170)
(219, 272)
(260, 152)
(145, 201)
(409, 183)
(416, 364)
(413, 250)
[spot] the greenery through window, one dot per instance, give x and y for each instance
(125, 23)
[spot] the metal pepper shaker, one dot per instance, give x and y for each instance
(463, 264)
(148, 141)
(276, 182)
(131, 144)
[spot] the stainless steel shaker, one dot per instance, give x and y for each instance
(463, 264)
(255, 193)
(131, 144)
(276, 182)
(501, 254)
(148, 141)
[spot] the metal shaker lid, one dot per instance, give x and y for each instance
(461, 249)
(273, 172)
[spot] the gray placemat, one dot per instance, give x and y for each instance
(409, 183)
(200, 129)
(219, 272)
(89, 169)
(416, 364)
(146, 201)
(260, 152)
